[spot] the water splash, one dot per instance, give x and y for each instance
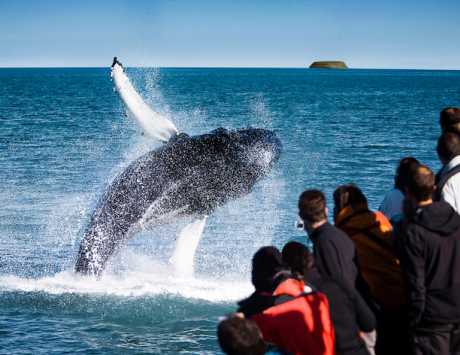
(262, 114)
(141, 277)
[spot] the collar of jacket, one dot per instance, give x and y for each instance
(314, 235)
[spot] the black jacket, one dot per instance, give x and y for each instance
(349, 314)
(335, 254)
(429, 244)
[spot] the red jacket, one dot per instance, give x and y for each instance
(301, 323)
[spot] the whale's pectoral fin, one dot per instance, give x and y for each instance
(151, 122)
(186, 245)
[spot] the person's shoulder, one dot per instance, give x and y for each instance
(329, 233)
(256, 303)
(393, 194)
(452, 187)
(405, 225)
(329, 230)
(409, 232)
(391, 197)
(338, 235)
(454, 178)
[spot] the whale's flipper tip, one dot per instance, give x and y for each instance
(151, 122)
(115, 62)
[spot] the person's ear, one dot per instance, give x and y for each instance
(326, 212)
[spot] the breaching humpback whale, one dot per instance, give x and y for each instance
(187, 176)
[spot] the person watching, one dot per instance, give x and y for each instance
(290, 315)
(429, 243)
(334, 252)
(392, 203)
(379, 264)
(372, 235)
(350, 314)
(448, 179)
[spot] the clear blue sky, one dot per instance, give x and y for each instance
(284, 33)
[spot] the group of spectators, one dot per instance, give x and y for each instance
(375, 282)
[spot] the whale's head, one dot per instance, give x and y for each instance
(213, 168)
(251, 148)
(256, 149)
(250, 152)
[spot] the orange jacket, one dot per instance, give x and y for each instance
(372, 234)
(299, 325)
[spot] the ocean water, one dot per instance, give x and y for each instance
(64, 136)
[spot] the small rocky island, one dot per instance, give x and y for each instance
(329, 64)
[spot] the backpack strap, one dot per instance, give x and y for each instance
(443, 181)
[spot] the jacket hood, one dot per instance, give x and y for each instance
(359, 219)
(439, 217)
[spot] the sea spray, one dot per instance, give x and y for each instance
(142, 277)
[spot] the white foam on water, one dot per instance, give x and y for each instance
(143, 277)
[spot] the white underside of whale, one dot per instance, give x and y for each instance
(186, 245)
(151, 122)
(159, 127)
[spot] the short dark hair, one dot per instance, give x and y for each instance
(404, 168)
(448, 146)
(421, 183)
(348, 195)
(449, 119)
(240, 336)
(298, 258)
(312, 206)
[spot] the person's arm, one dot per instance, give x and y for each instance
(364, 316)
(413, 265)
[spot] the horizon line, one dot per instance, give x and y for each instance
(223, 67)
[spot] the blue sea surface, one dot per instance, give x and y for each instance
(64, 136)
